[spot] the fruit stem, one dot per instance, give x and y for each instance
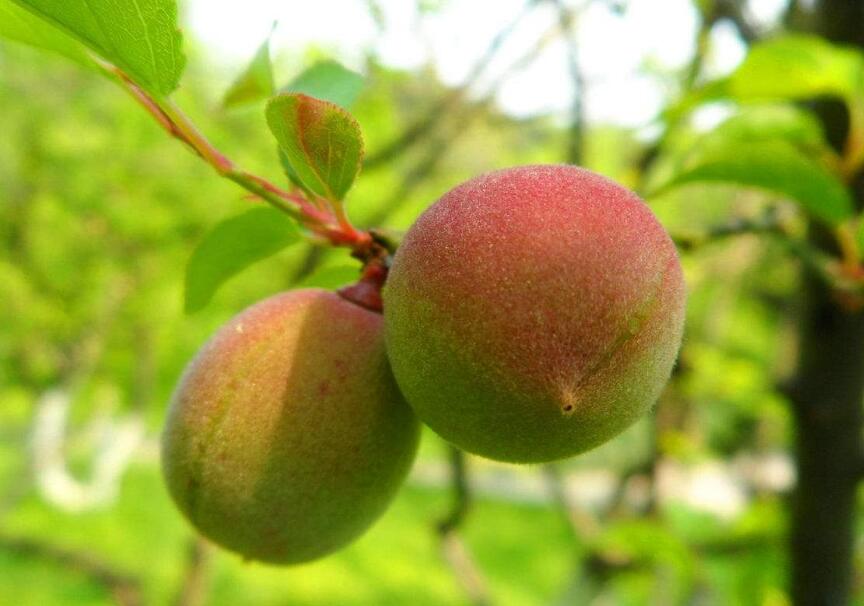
(366, 292)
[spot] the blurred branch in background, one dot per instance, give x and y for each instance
(567, 20)
(735, 11)
(771, 221)
(125, 588)
(418, 129)
(194, 579)
(453, 547)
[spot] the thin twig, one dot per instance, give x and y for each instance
(734, 12)
(193, 583)
(576, 137)
(454, 549)
(582, 525)
(770, 222)
(416, 131)
(125, 587)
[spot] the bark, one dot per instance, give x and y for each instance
(826, 399)
(827, 393)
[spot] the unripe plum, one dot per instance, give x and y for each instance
(534, 313)
(287, 436)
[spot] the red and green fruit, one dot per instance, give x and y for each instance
(534, 313)
(287, 436)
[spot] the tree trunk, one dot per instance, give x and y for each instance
(828, 391)
(827, 403)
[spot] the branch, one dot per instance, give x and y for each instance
(429, 162)
(734, 12)
(416, 131)
(582, 525)
(770, 222)
(125, 588)
(321, 217)
(576, 138)
(193, 584)
(455, 552)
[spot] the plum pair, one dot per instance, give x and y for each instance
(529, 315)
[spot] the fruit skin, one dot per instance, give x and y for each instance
(287, 436)
(534, 313)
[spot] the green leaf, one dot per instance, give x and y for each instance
(331, 277)
(256, 81)
(790, 67)
(291, 173)
(22, 26)
(775, 166)
(770, 123)
(321, 140)
(230, 247)
(797, 67)
(138, 36)
(859, 234)
(329, 81)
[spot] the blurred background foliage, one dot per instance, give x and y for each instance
(99, 214)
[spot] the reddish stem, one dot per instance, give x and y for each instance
(327, 221)
(366, 292)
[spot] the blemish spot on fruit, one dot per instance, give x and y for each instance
(239, 328)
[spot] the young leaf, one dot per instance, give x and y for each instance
(22, 26)
(329, 81)
(321, 140)
(139, 36)
(230, 247)
(255, 83)
(776, 166)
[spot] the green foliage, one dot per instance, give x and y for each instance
(23, 26)
(93, 207)
(331, 277)
(755, 123)
(797, 67)
(321, 140)
(141, 36)
(256, 81)
(230, 247)
(775, 166)
(329, 81)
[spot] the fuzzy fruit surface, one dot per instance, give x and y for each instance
(287, 436)
(534, 313)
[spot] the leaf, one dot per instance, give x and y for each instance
(797, 67)
(138, 36)
(775, 166)
(230, 247)
(20, 25)
(789, 67)
(331, 277)
(321, 140)
(859, 234)
(256, 81)
(291, 173)
(770, 123)
(329, 81)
